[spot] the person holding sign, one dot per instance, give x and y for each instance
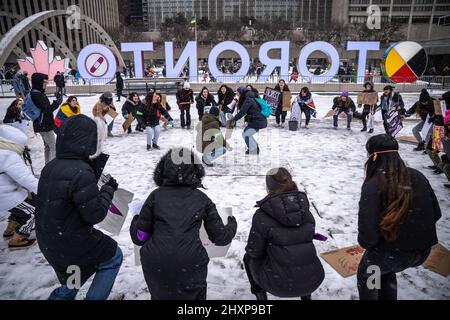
(105, 110)
(281, 113)
(424, 108)
(397, 217)
(280, 255)
(174, 261)
(369, 99)
(392, 110)
(69, 204)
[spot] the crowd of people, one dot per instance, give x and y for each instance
(397, 203)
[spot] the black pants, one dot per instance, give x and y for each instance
(185, 115)
(119, 94)
(201, 111)
(389, 262)
(385, 124)
(23, 214)
(255, 287)
(307, 115)
(280, 115)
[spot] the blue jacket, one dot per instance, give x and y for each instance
(253, 111)
(18, 84)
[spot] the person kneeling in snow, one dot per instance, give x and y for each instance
(174, 261)
(70, 204)
(210, 140)
(280, 255)
(68, 109)
(18, 187)
(343, 104)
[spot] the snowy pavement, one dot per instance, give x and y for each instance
(328, 164)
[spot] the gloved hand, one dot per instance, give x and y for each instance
(172, 124)
(112, 183)
(231, 220)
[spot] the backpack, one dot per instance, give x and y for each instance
(266, 109)
(29, 109)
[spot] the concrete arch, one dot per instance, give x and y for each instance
(13, 36)
(58, 43)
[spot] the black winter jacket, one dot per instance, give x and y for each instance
(184, 96)
(225, 99)
(252, 109)
(423, 109)
(416, 233)
(151, 114)
(347, 106)
(70, 203)
(129, 107)
(283, 258)
(41, 101)
(202, 102)
(119, 83)
(174, 261)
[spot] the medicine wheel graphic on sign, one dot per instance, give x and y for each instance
(405, 62)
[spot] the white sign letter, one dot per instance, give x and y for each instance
(138, 49)
(271, 64)
(326, 48)
(189, 54)
(362, 47)
(232, 46)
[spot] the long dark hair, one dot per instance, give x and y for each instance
(280, 180)
(394, 182)
(305, 90)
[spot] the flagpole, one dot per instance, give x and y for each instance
(195, 26)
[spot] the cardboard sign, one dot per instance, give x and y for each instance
(110, 116)
(426, 128)
(118, 210)
(438, 136)
(439, 260)
(345, 261)
(408, 139)
(369, 98)
(273, 98)
(287, 97)
(330, 113)
(438, 110)
(128, 122)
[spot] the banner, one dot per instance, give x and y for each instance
(438, 136)
(118, 210)
(394, 122)
(273, 98)
(426, 128)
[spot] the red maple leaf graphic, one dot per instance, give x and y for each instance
(43, 61)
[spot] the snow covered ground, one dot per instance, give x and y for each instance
(328, 164)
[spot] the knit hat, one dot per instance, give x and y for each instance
(214, 111)
(344, 94)
(241, 90)
(186, 85)
(424, 95)
(447, 117)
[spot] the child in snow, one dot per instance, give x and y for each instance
(210, 140)
(397, 204)
(70, 204)
(280, 255)
(152, 114)
(18, 187)
(68, 109)
(306, 105)
(344, 104)
(174, 261)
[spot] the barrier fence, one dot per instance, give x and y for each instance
(169, 85)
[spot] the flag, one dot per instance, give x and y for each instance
(194, 20)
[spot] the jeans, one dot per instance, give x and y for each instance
(307, 115)
(389, 262)
(349, 118)
(249, 139)
(49, 145)
(153, 134)
(185, 115)
(101, 286)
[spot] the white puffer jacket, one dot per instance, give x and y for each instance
(16, 179)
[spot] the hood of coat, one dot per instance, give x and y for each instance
(13, 135)
(209, 118)
(77, 138)
(287, 208)
(37, 81)
(179, 167)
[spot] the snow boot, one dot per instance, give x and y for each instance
(9, 232)
(149, 147)
(420, 147)
(20, 242)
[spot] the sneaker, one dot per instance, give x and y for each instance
(149, 147)
(155, 146)
(20, 242)
(371, 131)
(9, 232)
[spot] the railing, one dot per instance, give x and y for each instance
(332, 84)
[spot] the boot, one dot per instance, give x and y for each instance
(129, 130)
(155, 146)
(20, 242)
(149, 147)
(9, 232)
(371, 131)
(432, 167)
(364, 129)
(262, 295)
(110, 134)
(420, 147)
(438, 171)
